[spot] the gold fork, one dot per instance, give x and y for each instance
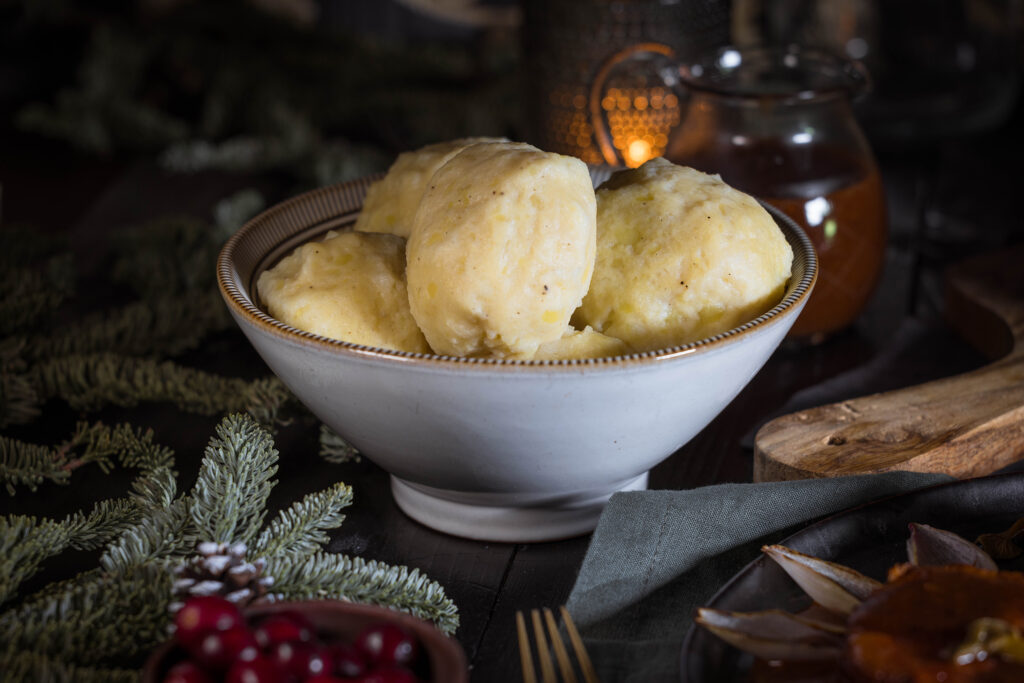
(547, 668)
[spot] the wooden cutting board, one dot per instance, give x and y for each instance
(968, 425)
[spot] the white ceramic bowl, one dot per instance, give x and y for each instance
(488, 449)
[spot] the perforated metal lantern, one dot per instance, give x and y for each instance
(566, 43)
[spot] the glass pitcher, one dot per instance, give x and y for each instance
(778, 123)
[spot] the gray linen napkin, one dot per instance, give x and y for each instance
(658, 555)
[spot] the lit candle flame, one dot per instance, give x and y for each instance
(638, 152)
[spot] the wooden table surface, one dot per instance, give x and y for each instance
(946, 200)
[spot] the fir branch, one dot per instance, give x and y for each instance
(108, 520)
(21, 244)
(114, 613)
(26, 464)
(25, 542)
(155, 489)
(104, 113)
(96, 444)
(244, 153)
(135, 448)
(88, 382)
(29, 293)
(166, 326)
(21, 666)
(161, 536)
(232, 212)
(166, 256)
(31, 464)
(19, 400)
(230, 497)
(24, 311)
(334, 448)
(299, 530)
(267, 400)
(329, 575)
(94, 618)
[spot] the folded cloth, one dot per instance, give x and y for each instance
(658, 555)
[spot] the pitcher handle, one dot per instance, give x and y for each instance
(598, 116)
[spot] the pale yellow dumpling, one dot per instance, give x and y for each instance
(502, 250)
(681, 256)
(350, 286)
(585, 343)
(391, 202)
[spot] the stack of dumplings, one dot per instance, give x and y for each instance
(486, 248)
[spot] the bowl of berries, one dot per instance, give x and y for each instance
(316, 641)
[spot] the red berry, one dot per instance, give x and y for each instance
(390, 674)
(202, 615)
(187, 672)
(218, 650)
(349, 661)
(282, 628)
(257, 670)
(388, 644)
(301, 660)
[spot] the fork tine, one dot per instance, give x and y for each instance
(559, 646)
(547, 669)
(525, 659)
(589, 674)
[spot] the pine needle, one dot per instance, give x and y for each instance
(19, 401)
(31, 464)
(97, 617)
(155, 489)
(107, 520)
(28, 294)
(23, 666)
(21, 244)
(329, 575)
(90, 381)
(334, 448)
(118, 611)
(168, 255)
(25, 542)
(26, 464)
(230, 496)
(160, 537)
(166, 326)
(300, 530)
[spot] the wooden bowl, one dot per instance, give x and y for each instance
(336, 621)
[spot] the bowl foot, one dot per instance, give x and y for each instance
(507, 518)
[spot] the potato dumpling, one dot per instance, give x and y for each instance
(585, 343)
(350, 286)
(391, 202)
(502, 250)
(681, 256)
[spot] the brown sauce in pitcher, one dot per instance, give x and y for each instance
(836, 196)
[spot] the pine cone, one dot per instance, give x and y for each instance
(221, 569)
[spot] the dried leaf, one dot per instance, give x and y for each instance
(1002, 545)
(774, 634)
(929, 546)
(833, 586)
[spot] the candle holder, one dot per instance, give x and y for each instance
(567, 42)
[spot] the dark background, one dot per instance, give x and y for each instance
(115, 113)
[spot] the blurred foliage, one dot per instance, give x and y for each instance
(229, 85)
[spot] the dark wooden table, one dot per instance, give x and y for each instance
(946, 199)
